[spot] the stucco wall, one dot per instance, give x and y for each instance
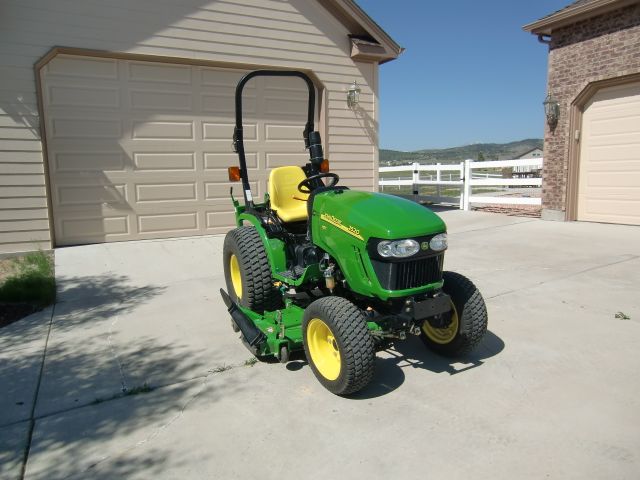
(599, 48)
(249, 33)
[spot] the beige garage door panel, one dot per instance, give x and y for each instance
(609, 179)
(140, 150)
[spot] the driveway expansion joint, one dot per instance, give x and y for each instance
(157, 431)
(142, 389)
(32, 421)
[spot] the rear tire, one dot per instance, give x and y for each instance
(468, 323)
(338, 345)
(247, 271)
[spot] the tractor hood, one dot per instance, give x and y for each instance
(364, 215)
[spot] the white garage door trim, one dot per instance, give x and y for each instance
(204, 205)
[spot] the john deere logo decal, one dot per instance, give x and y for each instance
(424, 245)
(336, 222)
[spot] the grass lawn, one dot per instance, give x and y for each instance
(27, 284)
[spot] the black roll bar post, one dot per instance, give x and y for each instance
(238, 138)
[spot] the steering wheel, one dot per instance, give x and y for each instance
(308, 188)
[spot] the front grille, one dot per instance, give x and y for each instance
(410, 273)
(417, 273)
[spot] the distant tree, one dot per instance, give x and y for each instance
(480, 157)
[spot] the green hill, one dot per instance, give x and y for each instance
(486, 151)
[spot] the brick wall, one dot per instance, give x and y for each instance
(599, 48)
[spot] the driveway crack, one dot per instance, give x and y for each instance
(564, 277)
(491, 227)
(114, 353)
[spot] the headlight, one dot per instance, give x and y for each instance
(439, 242)
(384, 248)
(398, 248)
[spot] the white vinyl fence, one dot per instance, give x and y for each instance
(463, 177)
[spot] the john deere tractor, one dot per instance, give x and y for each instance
(337, 272)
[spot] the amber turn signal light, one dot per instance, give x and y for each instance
(324, 166)
(234, 174)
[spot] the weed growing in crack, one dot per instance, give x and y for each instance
(250, 362)
(221, 368)
(126, 392)
(622, 316)
(144, 388)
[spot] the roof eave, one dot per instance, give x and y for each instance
(547, 25)
(359, 18)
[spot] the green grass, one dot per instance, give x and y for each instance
(32, 282)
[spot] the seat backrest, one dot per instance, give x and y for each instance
(288, 202)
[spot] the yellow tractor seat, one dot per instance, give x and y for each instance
(288, 202)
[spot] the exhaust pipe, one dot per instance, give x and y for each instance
(251, 335)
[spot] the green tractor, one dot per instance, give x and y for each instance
(337, 272)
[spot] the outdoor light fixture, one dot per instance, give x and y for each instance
(551, 110)
(353, 95)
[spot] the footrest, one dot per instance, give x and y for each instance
(293, 274)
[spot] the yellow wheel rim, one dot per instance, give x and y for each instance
(323, 349)
(236, 278)
(443, 335)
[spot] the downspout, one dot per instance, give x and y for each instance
(543, 38)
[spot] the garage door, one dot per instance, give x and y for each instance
(609, 178)
(139, 150)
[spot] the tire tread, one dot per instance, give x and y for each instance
(472, 316)
(259, 293)
(351, 328)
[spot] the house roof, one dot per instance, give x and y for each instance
(363, 27)
(576, 11)
(529, 151)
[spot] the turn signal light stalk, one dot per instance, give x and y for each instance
(234, 174)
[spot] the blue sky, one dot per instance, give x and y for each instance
(469, 74)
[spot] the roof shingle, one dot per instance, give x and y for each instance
(569, 7)
(574, 12)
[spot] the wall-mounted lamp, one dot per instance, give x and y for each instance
(353, 95)
(551, 110)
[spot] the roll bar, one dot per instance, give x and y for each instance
(311, 138)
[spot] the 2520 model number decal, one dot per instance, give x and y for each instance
(336, 222)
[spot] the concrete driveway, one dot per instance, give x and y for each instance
(136, 372)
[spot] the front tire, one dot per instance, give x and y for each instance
(247, 271)
(468, 319)
(338, 345)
